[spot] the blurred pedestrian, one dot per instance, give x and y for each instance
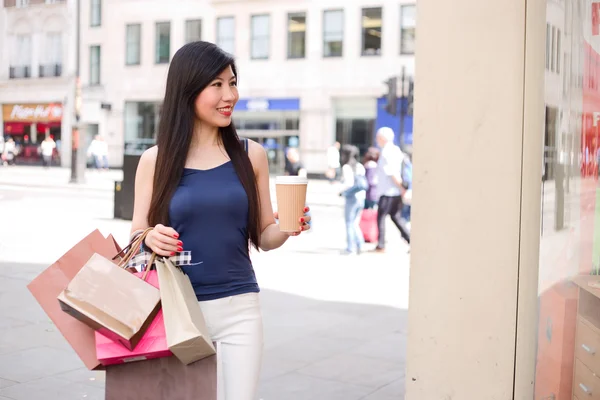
(354, 191)
(204, 190)
(99, 151)
(10, 152)
(294, 166)
(333, 162)
(389, 186)
(47, 149)
(370, 163)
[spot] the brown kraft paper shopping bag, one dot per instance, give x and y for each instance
(162, 378)
(54, 279)
(111, 300)
(187, 334)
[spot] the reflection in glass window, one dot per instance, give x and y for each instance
(371, 31)
(333, 33)
(259, 43)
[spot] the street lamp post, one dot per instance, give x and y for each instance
(77, 169)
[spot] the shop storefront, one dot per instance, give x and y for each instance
(355, 121)
(29, 124)
(272, 122)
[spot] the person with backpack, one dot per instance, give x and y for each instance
(355, 191)
(390, 186)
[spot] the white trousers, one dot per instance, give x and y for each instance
(235, 324)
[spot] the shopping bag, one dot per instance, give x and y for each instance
(163, 378)
(54, 279)
(368, 225)
(111, 301)
(187, 335)
(152, 345)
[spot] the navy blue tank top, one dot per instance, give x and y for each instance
(209, 210)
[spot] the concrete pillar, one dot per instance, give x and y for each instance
(34, 133)
(478, 143)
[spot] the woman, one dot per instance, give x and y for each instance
(203, 192)
(353, 175)
(370, 163)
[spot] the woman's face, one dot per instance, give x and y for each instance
(214, 105)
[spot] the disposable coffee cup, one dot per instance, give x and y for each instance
(291, 199)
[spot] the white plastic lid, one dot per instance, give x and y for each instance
(291, 180)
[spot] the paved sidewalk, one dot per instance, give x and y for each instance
(335, 326)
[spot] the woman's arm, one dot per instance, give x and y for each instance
(271, 238)
(144, 177)
(162, 240)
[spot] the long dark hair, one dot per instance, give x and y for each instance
(349, 155)
(193, 68)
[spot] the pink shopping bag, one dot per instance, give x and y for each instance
(152, 345)
(368, 225)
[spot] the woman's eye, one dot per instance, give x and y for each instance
(217, 84)
(234, 83)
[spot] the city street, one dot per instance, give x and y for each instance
(335, 326)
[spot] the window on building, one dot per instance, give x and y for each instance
(163, 42)
(553, 51)
(141, 123)
(226, 34)
(333, 33)
(259, 44)
(355, 131)
(95, 65)
(371, 31)
(95, 12)
(193, 30)
(133, 33)
(408, 23)
(297, 35)
(52, 63)
(558, 58)
(22, 3)
(548, 45)
(21, 57)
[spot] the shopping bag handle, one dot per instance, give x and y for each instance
(132, 249)
(149, 266)
(132, 243)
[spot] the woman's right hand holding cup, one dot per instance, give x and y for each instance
(164, 241)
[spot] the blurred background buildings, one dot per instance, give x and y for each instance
(310, 72)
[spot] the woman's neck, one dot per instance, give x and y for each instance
(205, 136)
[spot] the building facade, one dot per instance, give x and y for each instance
(36, 74)
(310, 73)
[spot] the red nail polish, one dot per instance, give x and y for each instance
(180, 249)
(176, 236)
(172, 254)
(301, 219)
(180, 243)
